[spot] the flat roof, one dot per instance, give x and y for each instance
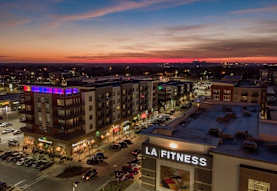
(195, 129)
(234, 149)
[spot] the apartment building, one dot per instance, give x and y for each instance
(242, 91)
(222, 91)
(174, 93)
(55, 112)
(69, 120)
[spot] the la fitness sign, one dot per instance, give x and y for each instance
(176, 156)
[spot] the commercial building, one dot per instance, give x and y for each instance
(212, 148)
(73, 120)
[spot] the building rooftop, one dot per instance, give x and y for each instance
(247, 84)
(228, 119)
(266, 151)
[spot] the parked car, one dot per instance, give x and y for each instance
(20, 162)
(136, 152)
(126, 176)
(135, 161)
(128, 141)
(130, 169)
(3, 186)
(94, 161)
(116, 147)
(6, 131)
(100, 155)
(13, 143)
(89, 175)
(17, 132)
(123, 145)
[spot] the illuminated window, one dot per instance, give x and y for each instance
(175, 179)
(255, 185)
(60, 102)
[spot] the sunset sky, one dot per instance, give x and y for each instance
(112, 31)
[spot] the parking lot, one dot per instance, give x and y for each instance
(14, 126)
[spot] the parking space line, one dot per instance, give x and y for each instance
(20, 182)
(36, 180)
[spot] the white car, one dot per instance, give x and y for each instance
(13, 142)
(17, 132)
(6, 132)
(4, 124)
(20, 162)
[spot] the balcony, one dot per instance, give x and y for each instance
(255, 94)
(69, 116)
(69, 106)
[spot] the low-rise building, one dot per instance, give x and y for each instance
(242, 91)
(212, 148)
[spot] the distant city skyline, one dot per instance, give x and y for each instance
(138, 31)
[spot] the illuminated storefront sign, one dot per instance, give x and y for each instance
(49, 90)
(143, 116)
(177, 156)
(44, 140)
(79, 143)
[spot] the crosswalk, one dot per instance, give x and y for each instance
(24, 184)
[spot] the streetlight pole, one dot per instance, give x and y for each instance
(6, 110)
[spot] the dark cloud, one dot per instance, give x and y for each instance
(214, 49)
(264, 26)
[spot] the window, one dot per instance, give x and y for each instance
(227, 91)
(174, 179)
(255, 185)
(39, 117)
(216, 91)
(69, 101)
(60, 102)
(61, 113)
(90, 108)
(90, 126)
(227, 98)
(90, 117)
(216, 97)
(90, 98)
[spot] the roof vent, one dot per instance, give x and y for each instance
(272, 147)
(215, 132)
(250, 146)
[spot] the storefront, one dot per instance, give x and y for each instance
(167, 169)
